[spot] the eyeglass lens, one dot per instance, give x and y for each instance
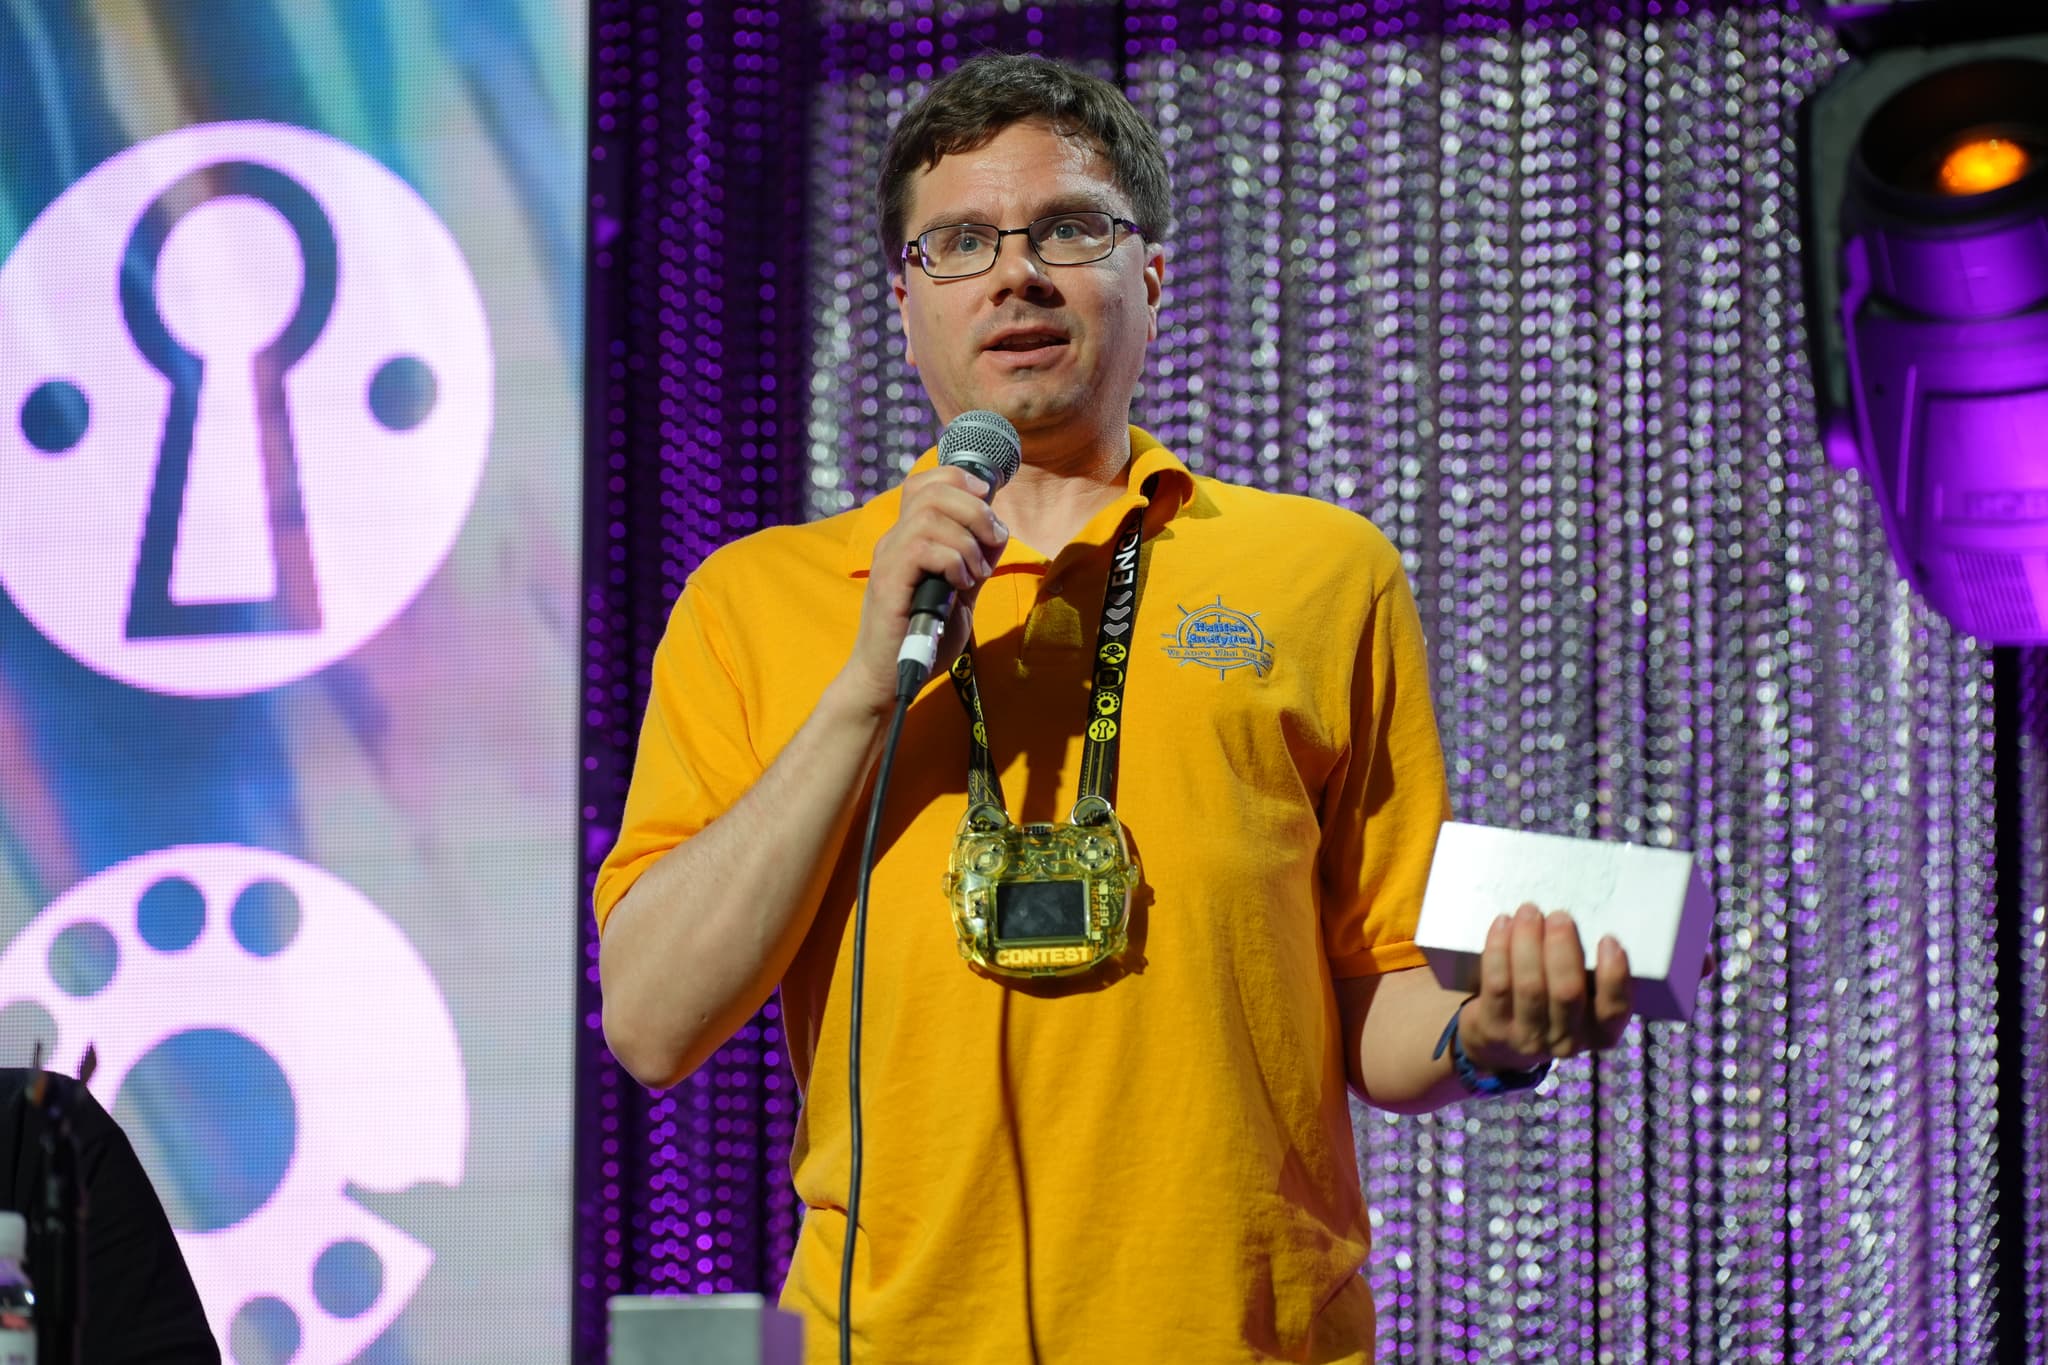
(1060, 239)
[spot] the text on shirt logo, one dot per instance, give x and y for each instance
(1222, 638)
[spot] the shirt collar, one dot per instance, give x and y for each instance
(1173, 491)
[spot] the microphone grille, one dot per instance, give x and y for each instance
(985, 444)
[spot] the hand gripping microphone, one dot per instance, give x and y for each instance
(986, 446)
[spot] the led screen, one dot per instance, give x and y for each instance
(290, 368)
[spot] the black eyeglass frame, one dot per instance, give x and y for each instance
(913, 252)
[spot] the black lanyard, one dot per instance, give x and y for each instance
(1105, 701)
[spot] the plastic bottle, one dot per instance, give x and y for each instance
(17, 1295)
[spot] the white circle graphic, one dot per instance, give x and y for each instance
(246, 392)
(298, 970)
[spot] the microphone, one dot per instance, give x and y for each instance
(988, 447)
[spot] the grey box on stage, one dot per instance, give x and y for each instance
(703, 1329)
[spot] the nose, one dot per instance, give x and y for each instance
(1018, 270)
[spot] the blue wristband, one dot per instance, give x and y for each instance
(1475, 1081)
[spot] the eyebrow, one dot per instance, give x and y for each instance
(1073, 203)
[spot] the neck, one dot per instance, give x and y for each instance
(1056, 493)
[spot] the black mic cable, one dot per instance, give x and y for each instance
(986, 446)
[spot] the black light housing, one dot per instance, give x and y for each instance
(1924, 182)
(1868, 25)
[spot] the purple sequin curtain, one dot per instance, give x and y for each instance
(699, 332)
(1518, 279)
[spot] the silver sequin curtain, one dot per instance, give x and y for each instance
(1527, 294)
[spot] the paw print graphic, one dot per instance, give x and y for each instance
(268, 1040)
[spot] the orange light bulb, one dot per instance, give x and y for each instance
(1982, 165)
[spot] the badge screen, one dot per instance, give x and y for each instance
(1028, 911)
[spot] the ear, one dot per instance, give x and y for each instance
(1155, 285)
(901, 289)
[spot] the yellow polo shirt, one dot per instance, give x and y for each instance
(1154, 1165)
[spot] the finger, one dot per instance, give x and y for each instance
(960, 564)
(1564, 969)
(1532, 996)
(1613, 993)
(945, 476)
(959, 505)
(931, 543)
(1496, 1003)
(955, 489)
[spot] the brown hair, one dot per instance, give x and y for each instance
(982, 96)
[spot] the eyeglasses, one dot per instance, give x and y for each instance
(957, 250)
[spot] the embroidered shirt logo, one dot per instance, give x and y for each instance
(1221, 638)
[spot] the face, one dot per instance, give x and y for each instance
(1057, 349)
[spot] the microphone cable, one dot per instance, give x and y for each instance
(910, 676)
(986, 445)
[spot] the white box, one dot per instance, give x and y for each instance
(1651, 899)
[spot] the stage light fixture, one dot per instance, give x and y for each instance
(1924, 177)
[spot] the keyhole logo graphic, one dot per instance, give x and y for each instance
(246, 391)
(269, 1041)
(226, 586)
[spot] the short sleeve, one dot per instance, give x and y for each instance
(695, 757)
(1383, 805)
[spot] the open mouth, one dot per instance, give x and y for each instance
(1026, 342)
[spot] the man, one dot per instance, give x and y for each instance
(1152, 1161)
